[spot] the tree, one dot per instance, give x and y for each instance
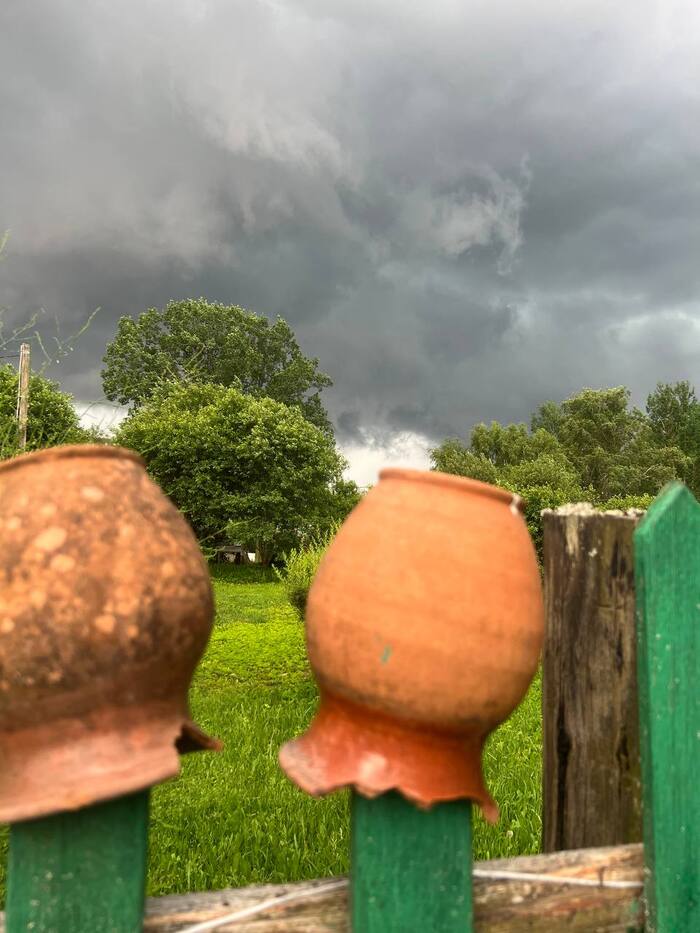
(52, 418)
(198, 341)
(674, 415)
(242, 469)
(591, 447)
(612, 447)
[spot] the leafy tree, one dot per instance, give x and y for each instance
(242, 469)
(612, 447)
(674, 416)
(198, 341)
(590, 447)
(51, 419)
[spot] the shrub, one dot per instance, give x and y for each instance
(300, 568)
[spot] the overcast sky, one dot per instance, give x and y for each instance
(462, 208)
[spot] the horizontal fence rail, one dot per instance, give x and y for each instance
(592, 889)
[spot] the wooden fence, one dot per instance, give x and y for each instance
(621, 715)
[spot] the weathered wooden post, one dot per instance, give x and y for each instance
(667, 546)
(416, 666)
(105, 609)
(591, 777)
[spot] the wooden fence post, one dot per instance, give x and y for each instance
(81, 872)
(667, 546)
(592, 790)
(411, 868)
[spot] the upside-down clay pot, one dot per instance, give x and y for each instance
(105, 610)
(424, 626)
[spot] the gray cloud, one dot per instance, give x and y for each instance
(463, 209)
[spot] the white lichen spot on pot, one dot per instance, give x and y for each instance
(167, 569)
(92, 493)
(371, 767)
(48, 509)
(13, 523)
(61, 563)
(37, 598)
(132, 632)
(51, 539)
(7, 625)
(105, 623)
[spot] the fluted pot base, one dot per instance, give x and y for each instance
(348, 745)
(71, 763)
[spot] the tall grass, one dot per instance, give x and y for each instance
(300, 568)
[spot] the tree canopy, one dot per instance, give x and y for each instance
(51, 420)
(592, 446)
(203, 342)
(242, 469)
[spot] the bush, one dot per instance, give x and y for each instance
(300, 568)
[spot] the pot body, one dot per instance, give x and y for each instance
(105, 610)
(427, 613)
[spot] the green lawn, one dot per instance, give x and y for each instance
(233, 819)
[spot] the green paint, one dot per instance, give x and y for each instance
(386, 654)
(667, 558)
(411, 869)
(80, 872)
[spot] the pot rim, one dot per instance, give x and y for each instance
(65, 451)
(459, 483)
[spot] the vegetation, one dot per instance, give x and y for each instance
(198, 341)
(300, 566)
(51, 420)
(590, 447)
(240, 468)
(233, 818)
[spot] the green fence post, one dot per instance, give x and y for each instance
(667, 559)
(411, 868)
(80, 872)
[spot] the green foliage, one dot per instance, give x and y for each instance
(198, 341)
(674, 416)
(591, 447)
(612, 448)
(242, 469)
(51, 419)
(300, 567)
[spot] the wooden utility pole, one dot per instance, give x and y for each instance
(23, 395)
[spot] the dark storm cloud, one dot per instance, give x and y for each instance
(462, 209)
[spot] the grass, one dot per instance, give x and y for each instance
(232, 818)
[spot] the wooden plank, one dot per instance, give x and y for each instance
(500, 906)
(591, 776)
(80, 872)
(411, 868)
(667, 547)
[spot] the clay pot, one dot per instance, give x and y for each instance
(424, 627)
(105, 610)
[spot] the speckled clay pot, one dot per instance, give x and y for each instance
(424, 626)
(105, 609)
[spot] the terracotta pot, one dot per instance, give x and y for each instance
(424, 627)
(105, 609)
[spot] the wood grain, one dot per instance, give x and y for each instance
(591, 777)
(80, 872)
(667, 548)
(411, 868)
(499, 906)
